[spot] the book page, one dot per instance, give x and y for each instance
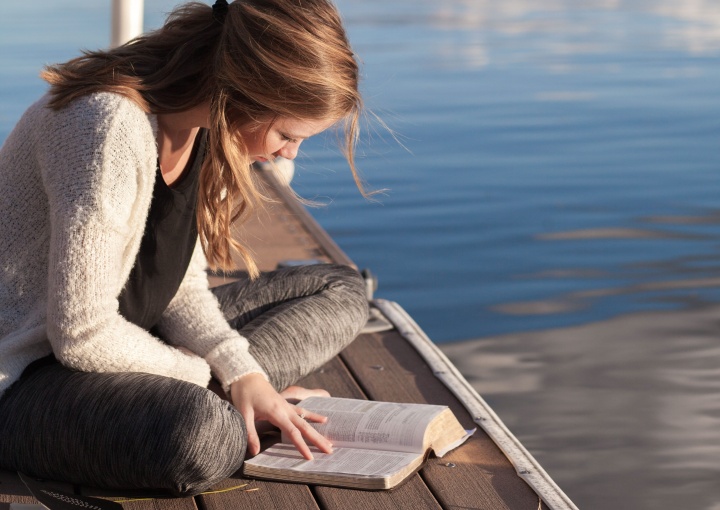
(439, 452)
(371, 463)
(369, 424)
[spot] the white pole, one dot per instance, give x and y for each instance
(127, 21)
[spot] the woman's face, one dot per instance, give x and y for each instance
(283, 138)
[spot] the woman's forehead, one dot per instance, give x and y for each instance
(300, 128)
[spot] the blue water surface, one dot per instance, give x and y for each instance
(520, 122)
(551, 213)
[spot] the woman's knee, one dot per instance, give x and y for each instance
(208, 444)
(349, 290)
(121, 431)
(201, 440)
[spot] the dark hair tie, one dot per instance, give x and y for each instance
(220, 9)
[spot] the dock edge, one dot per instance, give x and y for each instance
(525, 464)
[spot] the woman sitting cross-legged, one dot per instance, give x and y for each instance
(120, 186)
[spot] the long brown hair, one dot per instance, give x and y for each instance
(266, 59)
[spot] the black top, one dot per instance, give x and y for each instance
(167, 244)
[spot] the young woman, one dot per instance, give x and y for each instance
(119, 186)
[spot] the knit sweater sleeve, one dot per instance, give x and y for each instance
(194, 320)
(98, 160)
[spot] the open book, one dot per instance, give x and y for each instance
(376, 445)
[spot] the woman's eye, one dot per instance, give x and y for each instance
(287, 138)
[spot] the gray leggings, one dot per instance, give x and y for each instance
(136, 430)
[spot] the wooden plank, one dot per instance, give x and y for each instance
(388, 368)
(264, 494)
(279, 495)
(336, 378)
(312, 227)
(140, 500)
(12, 490)
(160, 504)
(283, 230)
(276, 234)
(258, 494)
(412, 494)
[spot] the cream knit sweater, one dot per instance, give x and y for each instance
(75, 190)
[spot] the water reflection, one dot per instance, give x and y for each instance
(691, 25)
(659, 277)
(623, 413)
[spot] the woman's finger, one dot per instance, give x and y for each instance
(253, 441)
(311, 416)
(296, 437)
(312, 435)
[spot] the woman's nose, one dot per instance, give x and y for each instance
(289, 151)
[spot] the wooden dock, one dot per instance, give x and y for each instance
(381, 365)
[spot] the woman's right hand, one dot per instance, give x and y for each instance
(256, 399)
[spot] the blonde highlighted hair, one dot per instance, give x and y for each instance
(266, 59)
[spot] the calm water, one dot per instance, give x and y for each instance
(552, 214)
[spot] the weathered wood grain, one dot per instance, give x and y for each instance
(12, 490)
(335, 378)
(258, 494)
(140, 499)
(388, 368)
